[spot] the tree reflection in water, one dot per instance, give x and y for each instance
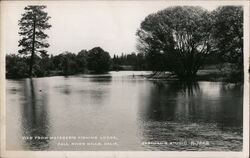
(133, 109)
(35, 116)
(164, 100)
(176, 111)
(193, 102)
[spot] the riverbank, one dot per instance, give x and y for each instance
(213, 75)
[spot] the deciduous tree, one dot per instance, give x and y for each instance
(176, 39)
(99, 60)
(228, 34)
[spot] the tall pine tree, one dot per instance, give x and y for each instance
(32, 25)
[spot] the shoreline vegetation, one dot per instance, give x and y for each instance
(62, 65)
(191, 43)
(202, 75)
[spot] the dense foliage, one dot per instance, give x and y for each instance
(32, 25)
(136, 61)
(183, 39)
(228, 37)
(176, 39)
(228, 33)
(99, 61)
(67, 63)
(16, 66)
(95, 60)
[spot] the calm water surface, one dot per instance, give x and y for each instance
(137, 113)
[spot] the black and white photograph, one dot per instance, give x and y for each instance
(124, 78)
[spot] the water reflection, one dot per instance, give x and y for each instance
(231, 102)
(180, 112)
(132, 108)
(175, 101)
(104, 78)
(35, 116)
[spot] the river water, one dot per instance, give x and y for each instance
(122, 111)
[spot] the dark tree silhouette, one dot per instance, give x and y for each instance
(176, 39)
(16, 66)
(228, 34)
(82, 60)
(136, 61)
(32, 25)
(99, 60)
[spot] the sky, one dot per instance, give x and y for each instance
(79, 25)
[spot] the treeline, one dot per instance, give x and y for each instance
(131, 61)
(95, 60)
(179, 39)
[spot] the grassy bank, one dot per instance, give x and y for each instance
(214, 75)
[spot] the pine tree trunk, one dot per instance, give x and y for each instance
(33, 48)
